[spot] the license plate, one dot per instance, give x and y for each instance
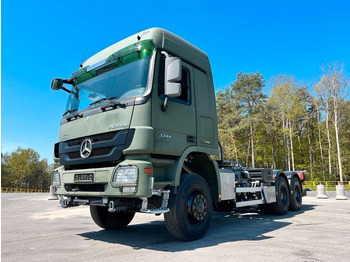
(84, 178)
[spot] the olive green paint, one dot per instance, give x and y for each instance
(161, 140)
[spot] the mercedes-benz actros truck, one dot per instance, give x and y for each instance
(139, 133)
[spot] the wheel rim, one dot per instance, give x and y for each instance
(297, 193)
(284, 195)
(196, 207)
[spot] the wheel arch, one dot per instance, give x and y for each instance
(203, 166)
(296, 177)
(292, 177)
(281, 173)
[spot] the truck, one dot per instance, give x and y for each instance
(139, 134)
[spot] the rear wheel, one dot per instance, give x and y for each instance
(296, 197)
(107, 220)
(190, 209)
(281, 206)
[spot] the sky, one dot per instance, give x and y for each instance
(41, 40)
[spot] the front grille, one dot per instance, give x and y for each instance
(96, 138)
(106, 147)
(85, 187)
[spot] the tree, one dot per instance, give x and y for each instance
(247, 91)
(321, 92)
(228, 122)
(292, 130)
(271, 129)
(24, 169)
(289, 99)
(317, 103)
(333, 88)
(5, 179)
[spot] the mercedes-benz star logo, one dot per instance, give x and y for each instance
(86, 148)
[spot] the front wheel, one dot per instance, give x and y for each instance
(107, 220)
(190, 209)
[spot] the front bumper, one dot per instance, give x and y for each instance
(102, 186)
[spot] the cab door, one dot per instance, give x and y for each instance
(175, 128)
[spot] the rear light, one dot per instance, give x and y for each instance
(301, 175)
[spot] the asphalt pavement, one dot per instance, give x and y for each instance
(36, 229)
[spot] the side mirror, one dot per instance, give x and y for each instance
(56, 84)
(173, 74)
(172, 90)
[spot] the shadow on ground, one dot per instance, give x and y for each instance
(240, 224)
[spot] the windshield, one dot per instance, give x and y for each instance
(122, 82)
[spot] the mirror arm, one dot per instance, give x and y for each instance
(164, 106)
(71, 82)
(165, 53)
(67, 81)
(67, 90)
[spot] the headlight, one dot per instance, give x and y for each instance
(56, 180)
(125, 175)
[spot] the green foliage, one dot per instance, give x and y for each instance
(239, 110)
(289, 127)
(24, 169)
(247, 92)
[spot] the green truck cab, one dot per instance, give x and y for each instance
(138, 133)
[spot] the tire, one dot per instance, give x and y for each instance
(190, 209)
(265, 209)
(110, 221)
(224, 206)
(296, 197)
(281, 206)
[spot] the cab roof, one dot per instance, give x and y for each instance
(162, 39)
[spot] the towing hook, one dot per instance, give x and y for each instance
(63, 203)
(111, 207)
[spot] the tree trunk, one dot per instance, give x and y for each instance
(247, 156)
(252, 142)
(273, 158)
(285, 144)
(234, 145)
(320, 143)
(329, 141)
(291, 143)
(277, 151)
(310, 147)
(337, 139)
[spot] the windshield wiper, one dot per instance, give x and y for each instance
(103, 99)
(113, 105)
(70, 111)
(75, 114)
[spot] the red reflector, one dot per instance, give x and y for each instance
(148, 170)
(301, 175)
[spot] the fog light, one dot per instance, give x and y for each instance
(56, 179)
(128, 189)
(125, 175)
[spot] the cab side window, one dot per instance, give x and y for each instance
(185, 86)
(185, 96)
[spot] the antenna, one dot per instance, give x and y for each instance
(82, 59)
(138, 35)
